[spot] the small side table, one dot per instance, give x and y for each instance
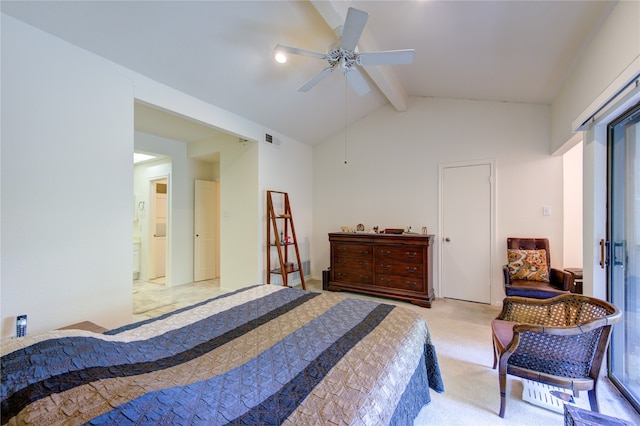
(574, 416)
(577, 279)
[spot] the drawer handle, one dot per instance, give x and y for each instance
(385, 267)
(341, 275)
(364, 278)
(385, 280)
(385, 252)
(364, 264)
(364, 252)
(412, 270)
(411, 255)
(411, 284)
(342, 249)
(342, 262)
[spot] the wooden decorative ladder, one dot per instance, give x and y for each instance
(281, 236)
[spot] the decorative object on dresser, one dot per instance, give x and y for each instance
(387, 265)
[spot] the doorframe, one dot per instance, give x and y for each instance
(150, 258)
(491, 162)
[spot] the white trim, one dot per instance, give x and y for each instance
(491, 162)
(613, 91)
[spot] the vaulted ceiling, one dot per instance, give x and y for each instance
(222, 51)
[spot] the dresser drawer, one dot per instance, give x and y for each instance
(352, 276)
(414, 270)
(341, 262)
(404, 283)
(352, 250)
(398, 254)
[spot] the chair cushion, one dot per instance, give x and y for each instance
(529, 265)
(532, 289)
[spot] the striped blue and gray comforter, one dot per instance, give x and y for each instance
(260, 355)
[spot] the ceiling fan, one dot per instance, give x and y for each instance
(344, 55)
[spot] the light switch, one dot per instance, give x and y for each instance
(546, 210)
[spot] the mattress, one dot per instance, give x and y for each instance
(260, 355)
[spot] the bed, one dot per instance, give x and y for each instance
(263, 354)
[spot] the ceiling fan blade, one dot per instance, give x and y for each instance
(315, 80)
(356, 81)
(353, 27)
(298, 51)
(386, 57)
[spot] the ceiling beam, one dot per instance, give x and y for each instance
(334, 12)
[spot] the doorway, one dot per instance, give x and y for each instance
(158, 218)
(466, 230)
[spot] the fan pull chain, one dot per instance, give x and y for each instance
(345, 119)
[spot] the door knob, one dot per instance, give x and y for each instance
(447, 239)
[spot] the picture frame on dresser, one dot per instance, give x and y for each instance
(387, 265)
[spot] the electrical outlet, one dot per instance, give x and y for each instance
(546, 210)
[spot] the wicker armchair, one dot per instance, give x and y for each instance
(560, 341)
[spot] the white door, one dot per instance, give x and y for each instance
(159, 227)
(205, 249)
(466, 232)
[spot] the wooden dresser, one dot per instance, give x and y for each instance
(395, 266)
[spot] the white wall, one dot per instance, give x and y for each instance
(610, 54)
(572, 224)
(67, 184)
(240, 212)
(391, 177)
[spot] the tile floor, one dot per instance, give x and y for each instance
(152, 299)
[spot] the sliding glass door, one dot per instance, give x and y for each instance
(624, 250)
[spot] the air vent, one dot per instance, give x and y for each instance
(273, 141)
(306, 267)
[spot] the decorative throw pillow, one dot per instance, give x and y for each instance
(528, 265)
